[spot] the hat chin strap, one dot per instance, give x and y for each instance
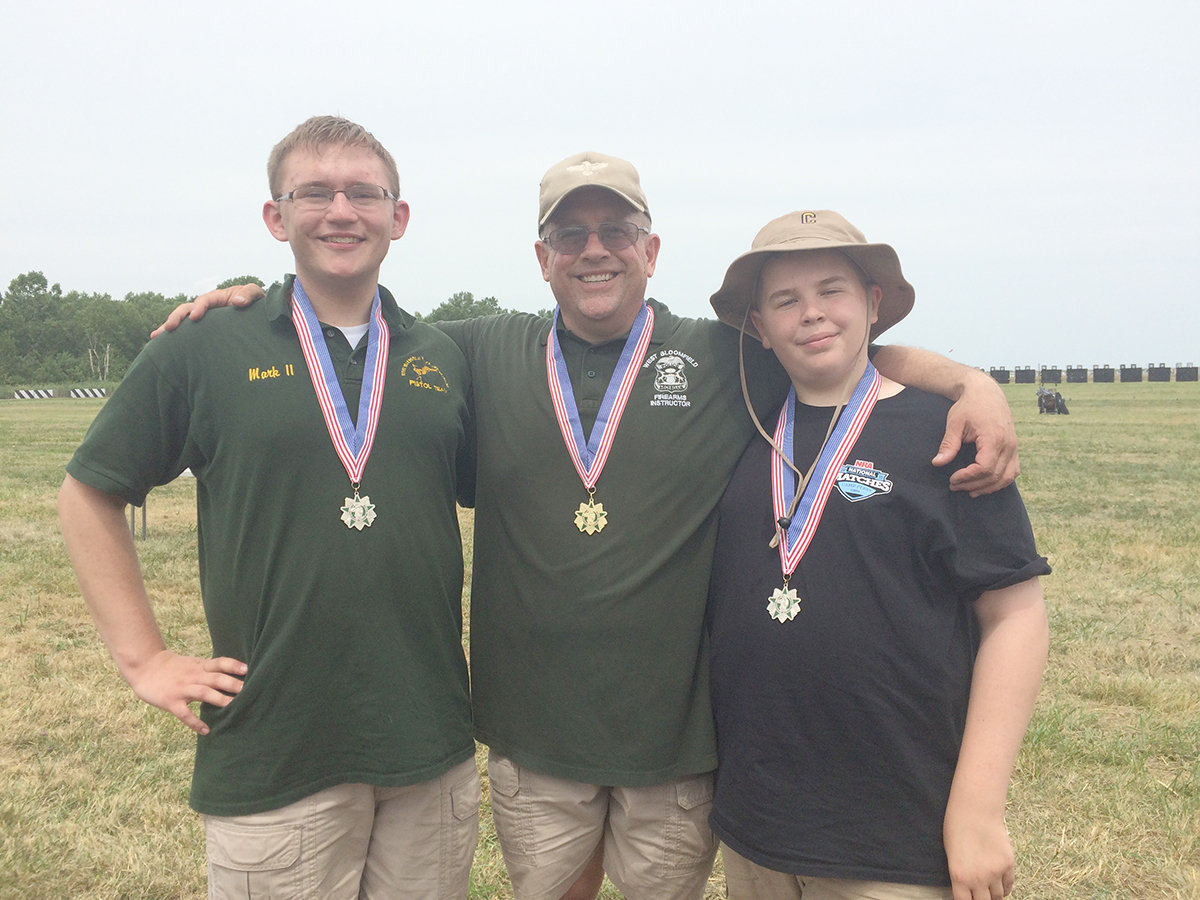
(785, 522)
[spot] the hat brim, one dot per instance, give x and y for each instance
(637, 207)
(879, 261)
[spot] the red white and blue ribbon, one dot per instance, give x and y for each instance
(803, 524)
(590, 455)
(352, 440)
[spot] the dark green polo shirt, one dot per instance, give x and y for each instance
(587, 654)
(356, 670)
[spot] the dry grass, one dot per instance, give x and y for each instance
(1106, 798)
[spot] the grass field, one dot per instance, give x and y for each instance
(1106, 798)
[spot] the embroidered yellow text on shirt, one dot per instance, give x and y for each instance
(257, 374)
(424, 374)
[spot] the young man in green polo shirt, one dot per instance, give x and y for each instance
(606, 437)
(326, 430)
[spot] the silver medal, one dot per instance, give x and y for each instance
(359, 512)
(784, 604)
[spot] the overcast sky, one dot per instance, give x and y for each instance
(1033, 163)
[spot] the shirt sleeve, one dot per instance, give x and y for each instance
(141, 437)
(994, 545)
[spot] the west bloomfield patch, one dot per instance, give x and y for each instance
(670, 368)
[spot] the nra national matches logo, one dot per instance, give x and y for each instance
(424, 374)
(862, 480)
(670, 377)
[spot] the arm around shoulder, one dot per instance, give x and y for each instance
(105, 561)
(980, 415)
(237, 295)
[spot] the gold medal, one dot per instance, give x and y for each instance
(589, 455)
(591, 517)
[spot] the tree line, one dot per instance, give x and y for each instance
(51, 337)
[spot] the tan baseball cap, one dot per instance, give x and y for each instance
(589, 169)
(820, 229)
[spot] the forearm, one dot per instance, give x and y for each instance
(101, 550)
(1004, 687)
(979, 416)
(105, 562)
(927, 371)
(1008, 671)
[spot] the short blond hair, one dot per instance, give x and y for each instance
(323, 131)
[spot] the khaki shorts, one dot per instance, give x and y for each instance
(657, 844)
(745, 880)
(352, 841)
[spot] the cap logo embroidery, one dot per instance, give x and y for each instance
(808, 218)
(587, 169)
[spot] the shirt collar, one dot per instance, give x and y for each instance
(278, 302)
(659, 335)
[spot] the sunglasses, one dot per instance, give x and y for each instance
(613, 235)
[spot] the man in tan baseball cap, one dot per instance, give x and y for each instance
(606, 437)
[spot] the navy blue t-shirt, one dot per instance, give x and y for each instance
(838, 731)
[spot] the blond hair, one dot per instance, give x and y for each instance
(323, 131)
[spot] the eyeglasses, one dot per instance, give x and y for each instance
(315, 196)
(613, 235)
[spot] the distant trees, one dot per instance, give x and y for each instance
(463, 305)
(240, 280)
(48, 337)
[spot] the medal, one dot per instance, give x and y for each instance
(784, 603)
(351, 441)
(591, 517)
(797, 518)
(359, 512)
(589, 456)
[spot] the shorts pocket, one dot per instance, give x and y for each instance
(248, 861)
(695, 791)
(460, 832)
(693, 845)
(466, 797)
(503, 777)
(510, 817)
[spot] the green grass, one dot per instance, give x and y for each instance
(1105, 801)
(1106, 798)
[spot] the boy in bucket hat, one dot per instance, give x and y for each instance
(877, 639)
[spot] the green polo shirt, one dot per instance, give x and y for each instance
(356, 669)
(588, 659)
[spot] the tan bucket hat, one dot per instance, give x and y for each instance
(589, 169)
(819, 229)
